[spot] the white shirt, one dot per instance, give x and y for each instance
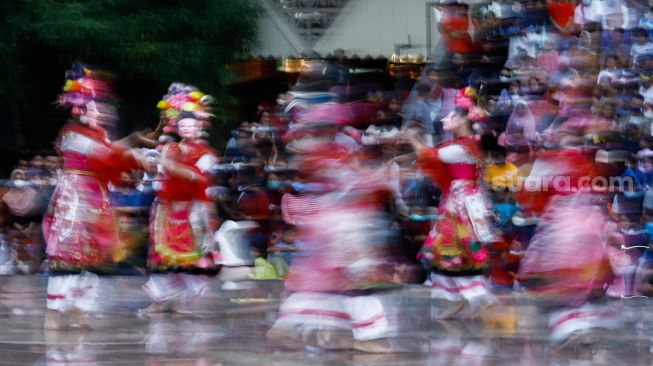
(647, 94)
(586, 14)
(637, 50)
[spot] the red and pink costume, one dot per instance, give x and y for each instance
(456, 246)
(80, 228)
(566, 262)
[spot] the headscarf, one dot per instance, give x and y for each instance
(521, 119)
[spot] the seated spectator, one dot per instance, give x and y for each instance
(641, 47)
(126, 198)
(263, 270)
(390, 115)
(642, 173)
(285, 245)
(37, 173)
(52, 166)
(150, 172)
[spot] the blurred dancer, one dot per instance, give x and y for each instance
(182, 240)
(343, 257)
(454, 29)
(456, 246)
(79, 226)
(566, 262)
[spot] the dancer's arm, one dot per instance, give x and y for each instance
(182, 171)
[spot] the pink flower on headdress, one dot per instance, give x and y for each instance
(80, 90)
(477, 114)
(465, 98)
(178, 101)
(182, 100)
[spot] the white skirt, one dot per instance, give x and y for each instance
(73, 292)
(175, 286)
(474, 289)
(364, 315)
(565, 322)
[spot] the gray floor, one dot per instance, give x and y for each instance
(228, 326)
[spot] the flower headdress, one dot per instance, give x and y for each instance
(184, 101)
(83, 85)
(466, 100)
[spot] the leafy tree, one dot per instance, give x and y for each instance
(146, 43)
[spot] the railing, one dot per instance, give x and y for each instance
(310, 18)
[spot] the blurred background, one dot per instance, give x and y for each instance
(229, 48)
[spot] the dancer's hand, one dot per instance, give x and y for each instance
(146, 138)
(140, 158)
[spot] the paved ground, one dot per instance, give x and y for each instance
(228, 326)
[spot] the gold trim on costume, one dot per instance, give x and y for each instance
(80, 172)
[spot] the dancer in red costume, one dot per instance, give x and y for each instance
(456, 247)
(182, 240)
(80, 228)
(566, 263)
(454, 29)
(343, 256)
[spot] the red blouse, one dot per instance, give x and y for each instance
(87, 150)
(454, 33)
(195, 156)
(441, 173)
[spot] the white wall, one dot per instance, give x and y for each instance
(374, 27)
(275, 36)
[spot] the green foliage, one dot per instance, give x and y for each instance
(146, 43)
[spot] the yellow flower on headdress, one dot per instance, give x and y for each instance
(470, 92)
(196, 95)
(68, 86)
(163, 104)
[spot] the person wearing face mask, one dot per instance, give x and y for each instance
(25, 199)
(277, 184)
(182, 241)
(505, 76)
(18, 178)
(80, 227)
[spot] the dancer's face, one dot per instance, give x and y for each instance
(92, 115)
(189, 128)
(452, 121)
(99, 114)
